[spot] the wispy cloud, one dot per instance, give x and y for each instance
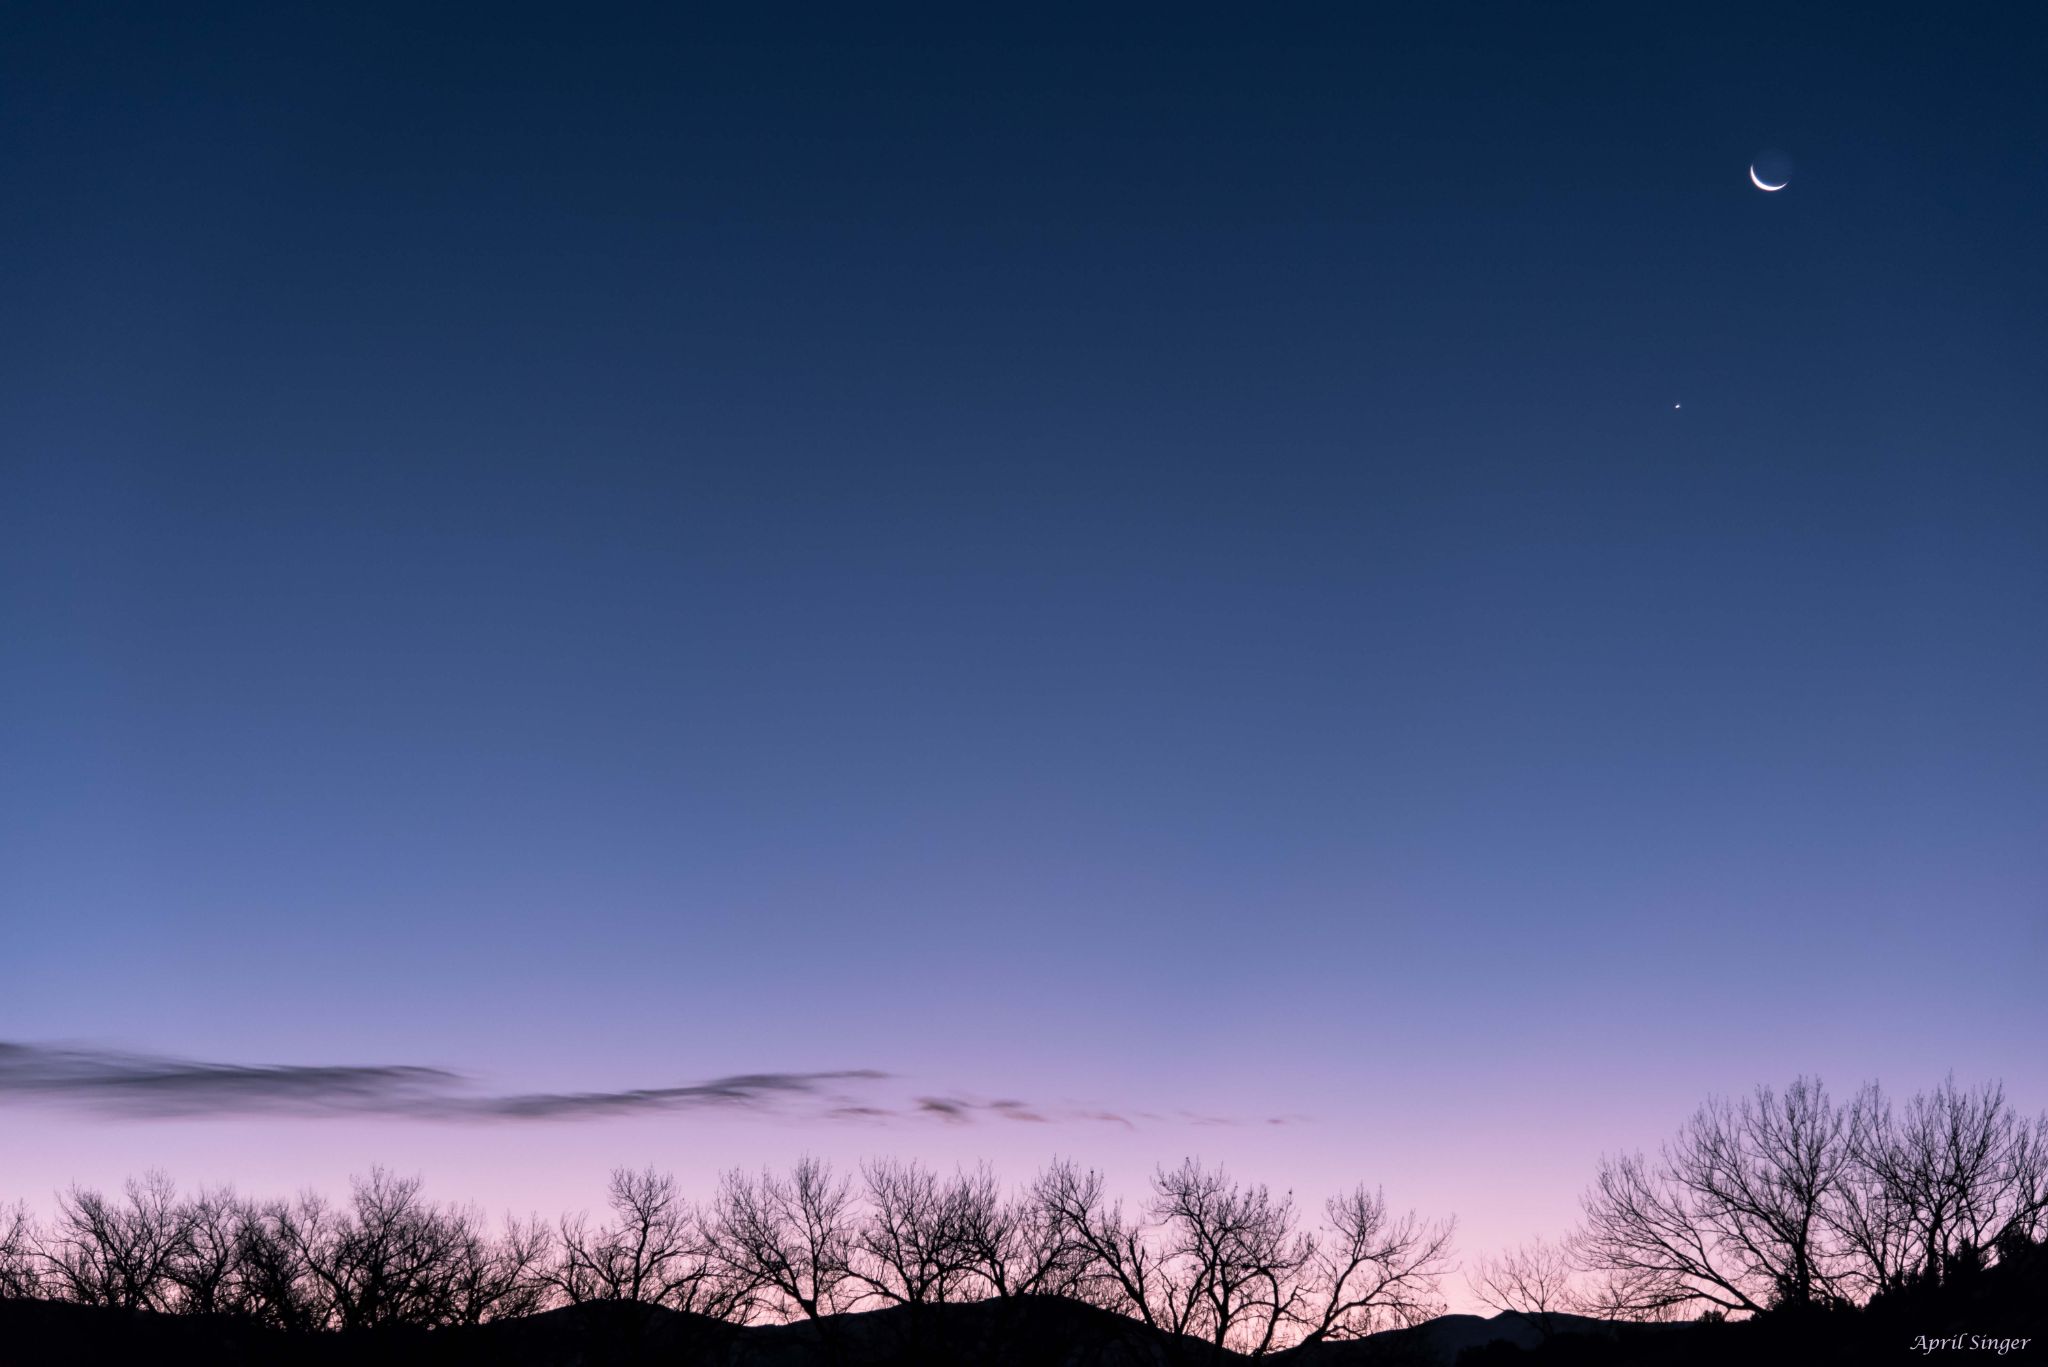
(960, 1110)
(135, 1085)
(129, 1085)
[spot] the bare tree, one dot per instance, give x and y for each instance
(912, 1248)
(118, 1253)
(207, 1268)
(1615, 1293)
(1231, 1251)
(384, 1259)
(1120, 1266)
(655, 1250)
(274, 1285)
(21, 1273)
(1018, 1246)
(791, 1238)
(1733, 1216)
(1872, 1214)
(2025, 1222)
(1957, 1173)
(1535, 1279)
(1656, 1247)
(1225, 1263)
(1370, 1269)
(1764, 1171)
(498, 1278)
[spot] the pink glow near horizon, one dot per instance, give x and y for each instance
(1506, 1171)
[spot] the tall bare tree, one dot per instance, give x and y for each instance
(1654, 1245)
(2025, 1223)
(1121, 1267)
(207, 1268)
(790, 1238)
(384, 1259)
(1370, 1269)
(118, 1253)
(1785, 1200)
(1734, 1215)
(498, 1277)
(1225, 1263)
(1233, 1252)
(912, 1244)
(1953, 1175)
(274, 1284)
(1764, 1171)
(21, 1272)
(1872, 1215)
(1020, 1245)
(1536, 1279)
(654, 1250)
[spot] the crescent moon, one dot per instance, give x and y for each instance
(1757, 181)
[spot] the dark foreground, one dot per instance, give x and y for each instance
(1999, 1316)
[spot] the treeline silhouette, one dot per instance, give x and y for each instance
(1778, 1208)
(1205, 1257)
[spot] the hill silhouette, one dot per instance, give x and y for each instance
(1025, 1331)
(2005, 1305)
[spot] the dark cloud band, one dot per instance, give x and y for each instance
(150, 1086)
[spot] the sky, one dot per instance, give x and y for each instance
(1332, 589)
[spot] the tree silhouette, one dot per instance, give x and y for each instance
(655, 1251)
(21, 1265)
(1019, 1246)
(1372, 1270)
(1226, 1263)
(1779, 1202)
(1535, 1279)
(1732, 1214)
(118, 1253)
(206, 1267)
(276, 1286)
(1787, 1202)
(912, 1247)
(499, 1278)
(791, 1238)
(1957, 1169)
(388, 1258)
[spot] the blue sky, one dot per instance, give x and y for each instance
(1341, 568)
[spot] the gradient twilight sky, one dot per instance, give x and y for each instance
(1149, 563)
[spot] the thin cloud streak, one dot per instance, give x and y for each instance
(138, 1086)
(149, 1086)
